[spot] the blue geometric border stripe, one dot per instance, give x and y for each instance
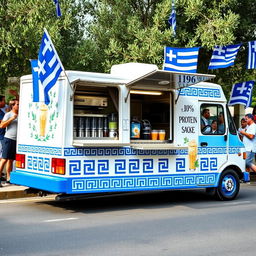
(120, 151)
(200, 92)
(56, 151)
(127, 151)
(131, 183)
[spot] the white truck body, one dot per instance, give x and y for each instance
(62, 160)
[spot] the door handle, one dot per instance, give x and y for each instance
(204, 144)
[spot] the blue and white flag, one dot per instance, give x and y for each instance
(34, 67)
(223, 56)
(251, 63)
(49, 68)
(181, 59)
(242, 94)
(58, 11)
(172, 18)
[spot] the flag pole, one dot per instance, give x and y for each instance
(46, 32)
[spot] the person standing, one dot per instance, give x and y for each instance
(9, 122)
(2, 130)
(249, 141)
(242, 128)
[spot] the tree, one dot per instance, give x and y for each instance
(21, 30)
(137, 30)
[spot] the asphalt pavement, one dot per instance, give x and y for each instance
(187, 222)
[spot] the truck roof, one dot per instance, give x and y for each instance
(135, 75)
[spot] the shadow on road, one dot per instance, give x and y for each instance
(150, 200)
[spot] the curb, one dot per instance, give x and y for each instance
(13, 191)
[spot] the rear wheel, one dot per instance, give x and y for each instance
(229, 185)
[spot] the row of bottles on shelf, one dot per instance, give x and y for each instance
(96, 126)
(107, 126)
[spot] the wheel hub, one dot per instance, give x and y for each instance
(229, 184)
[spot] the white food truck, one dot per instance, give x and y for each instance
(135, 129)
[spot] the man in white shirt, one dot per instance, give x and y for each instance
(242, 128)
(9, 142)
(249, 141)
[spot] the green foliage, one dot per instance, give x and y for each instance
(92, 35)
(136, 30)
(21, 30)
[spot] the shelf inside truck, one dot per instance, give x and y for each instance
(155, 144)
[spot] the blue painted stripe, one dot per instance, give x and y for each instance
(114, 184)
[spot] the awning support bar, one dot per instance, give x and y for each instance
(128, 93)
(177, 97)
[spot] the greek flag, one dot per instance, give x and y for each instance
(34, 67)
(58, 11)
(172, 18)
(223, 56)
(251, 63)
(242, 94)
(49, 69)
(181, 59)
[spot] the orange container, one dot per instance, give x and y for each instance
(154, 134)
(161, 134)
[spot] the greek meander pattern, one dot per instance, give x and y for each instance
(121, 151)
(38, 163)
(234, 150)
(180, 164)
(212, 150)
(142, 182)
(118, 166)
(39, 150)
(200, 92)
(136, 166)
(163, 165)
(208, 164)
(127, 151)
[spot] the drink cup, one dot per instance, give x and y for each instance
(192, 154)
(43, 119)
(161, 134)
(154, 134)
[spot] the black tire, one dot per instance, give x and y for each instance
(229, 186)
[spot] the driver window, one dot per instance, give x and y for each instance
(212, 119)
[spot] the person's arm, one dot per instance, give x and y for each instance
(248, 135)
(4, 124)
(14, 93)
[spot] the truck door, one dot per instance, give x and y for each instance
(213, 141)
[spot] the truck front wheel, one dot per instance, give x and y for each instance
(229, 185)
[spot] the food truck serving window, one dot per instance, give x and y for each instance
(96, 113)
(150, 116)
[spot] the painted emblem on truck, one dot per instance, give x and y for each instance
(43, 119)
